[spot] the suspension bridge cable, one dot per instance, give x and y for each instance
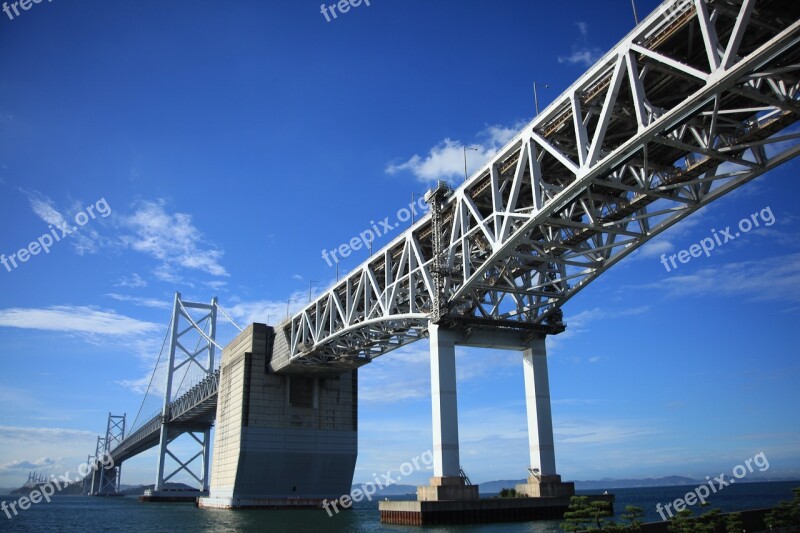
(153, 375)
(221, 310)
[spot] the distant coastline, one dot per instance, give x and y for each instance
(494, 487)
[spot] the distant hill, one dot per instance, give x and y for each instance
(493, 487)
(70, 490)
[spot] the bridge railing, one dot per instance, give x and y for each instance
(198, 394)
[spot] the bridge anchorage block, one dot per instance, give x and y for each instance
(447, 489)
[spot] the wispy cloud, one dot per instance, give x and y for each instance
(86, 240)
(653, 248)
(42, 462)
(579, 323)
(134, 281)
(75, 319)
(173, 239)
(380, 383)
(266, 311)
(584, 318)
(771, 279)
(16, 435)
(600, 431)
(143, 302)
(445, 161)
(582, 54)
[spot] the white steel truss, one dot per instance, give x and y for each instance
(700, 98)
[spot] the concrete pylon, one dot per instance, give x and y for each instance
(447, 483)
(543, 481)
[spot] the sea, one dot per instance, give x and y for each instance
(127, 514)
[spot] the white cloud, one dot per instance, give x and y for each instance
(216, 285)
(22, 464)
(84, 239)
(584, 318)
(579, 323)
(173, 239)
(76, 319)
(771, 279)
(273, 311)
(653, 248)
(44, 208)
(144, 302)
(17, 435)
(582, 54)
(445, 161)
(380, 383)
(600, 431)
(133, 282)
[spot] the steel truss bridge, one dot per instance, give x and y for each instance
(699, 99)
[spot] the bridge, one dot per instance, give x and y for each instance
(700, 98)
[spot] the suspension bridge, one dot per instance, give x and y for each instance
(700, 98)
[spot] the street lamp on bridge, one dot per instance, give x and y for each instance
(474, 149)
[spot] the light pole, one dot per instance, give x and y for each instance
(289, 300)
(474, 149)
(310, 283)
(536, 97)
(343, 259)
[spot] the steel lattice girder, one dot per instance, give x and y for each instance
(699, 99)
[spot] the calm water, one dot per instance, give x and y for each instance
(75, 513)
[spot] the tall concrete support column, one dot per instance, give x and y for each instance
(444, 402)
(447, 483)
(543, 481)
(537, 400)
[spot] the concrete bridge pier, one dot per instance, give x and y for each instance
(543, 481)
(447, 483)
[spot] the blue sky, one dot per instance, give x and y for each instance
(232, 142)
